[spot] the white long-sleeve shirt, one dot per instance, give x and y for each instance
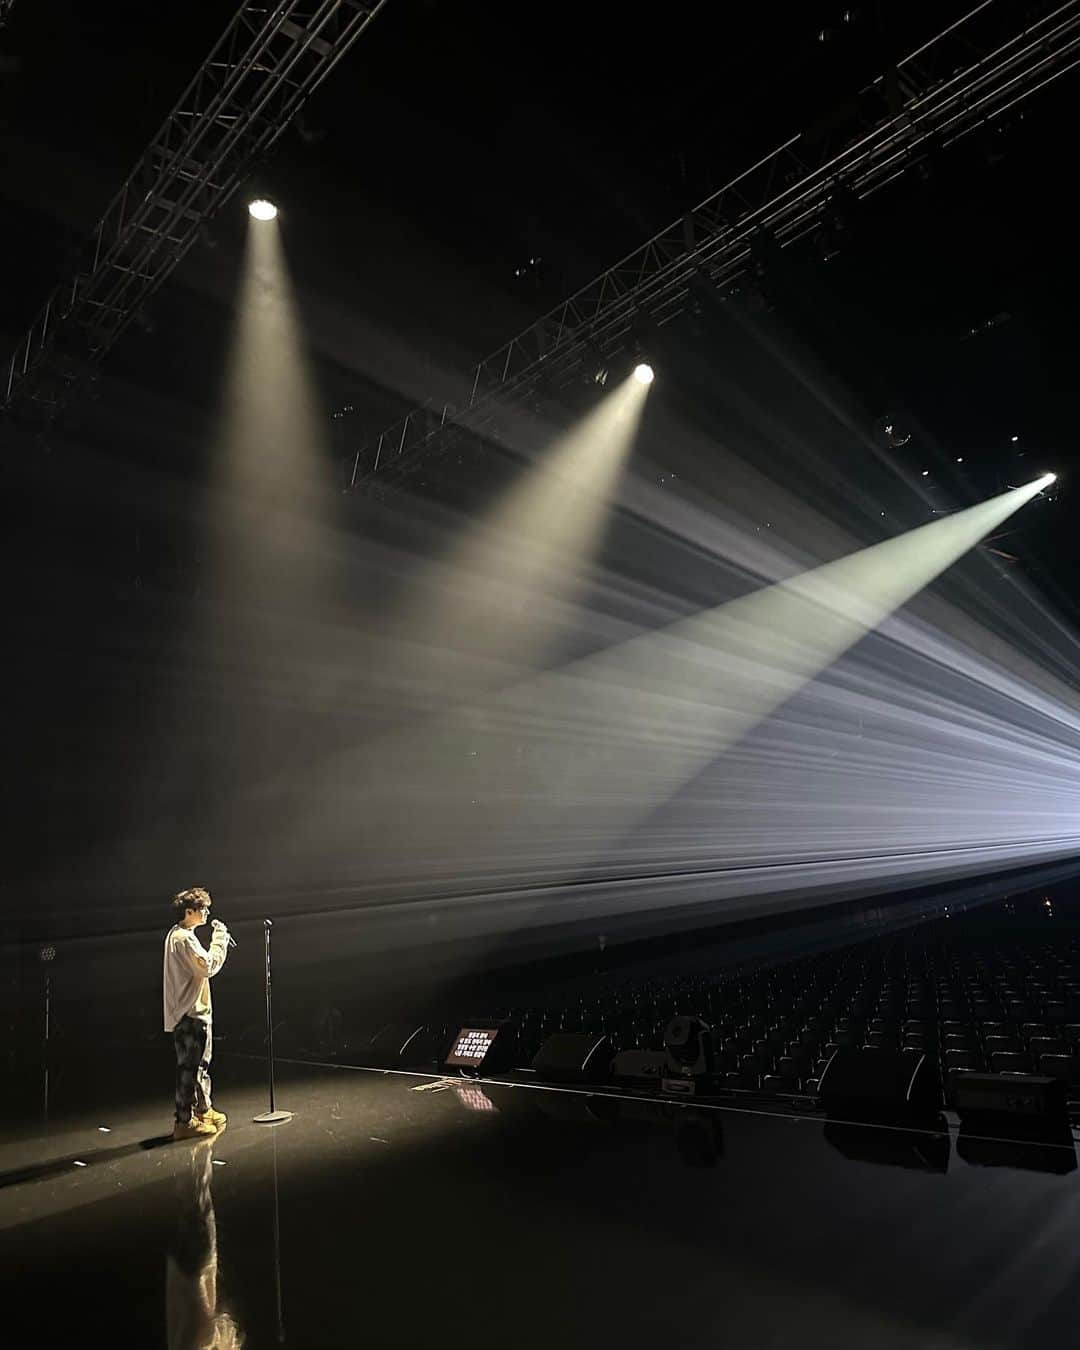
(189, 968)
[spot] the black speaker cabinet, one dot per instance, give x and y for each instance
(879, 1084)
(1026, 1097)
(574, 1057)
(401, 1045)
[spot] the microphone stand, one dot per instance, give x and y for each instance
(45, 1043)
(271, 1117)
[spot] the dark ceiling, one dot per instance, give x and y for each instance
(468, 166)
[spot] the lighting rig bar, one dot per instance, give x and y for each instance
(269, 61)
(966, 77)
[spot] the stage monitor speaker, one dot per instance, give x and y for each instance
(879, 1084)
(574, 1057)
(402, 1044)
(1029, 1098)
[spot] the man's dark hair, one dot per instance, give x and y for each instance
(198, 897)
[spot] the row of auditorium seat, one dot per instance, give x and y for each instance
(968, 1002)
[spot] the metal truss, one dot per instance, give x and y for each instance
(965, 78)
(269, 61)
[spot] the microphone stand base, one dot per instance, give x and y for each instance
(271, 1117)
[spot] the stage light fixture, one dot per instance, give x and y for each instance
(261, 209)
(689, 1049)
(643, 373)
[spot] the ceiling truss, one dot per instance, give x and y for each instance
(968, 76)
(270, 60)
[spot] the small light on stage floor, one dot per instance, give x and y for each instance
(79, 1164)
(1014, 439)
(104, 1129)
(261, 209)
(644, 373)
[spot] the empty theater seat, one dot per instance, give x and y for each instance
(969, 996)
(1003, 1062)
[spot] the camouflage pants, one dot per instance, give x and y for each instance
(193, 1040)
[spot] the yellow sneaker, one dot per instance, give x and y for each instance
(194, 1129)
(215, 1118)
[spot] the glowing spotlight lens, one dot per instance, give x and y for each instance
(643, 374)
(261, 209)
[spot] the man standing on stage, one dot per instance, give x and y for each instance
(189, 968)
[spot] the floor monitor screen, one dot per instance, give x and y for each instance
(471, 1045)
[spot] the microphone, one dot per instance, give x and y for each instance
(215, 924)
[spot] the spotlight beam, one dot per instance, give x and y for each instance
(664, 705)
(490, 613)
(537, 784)
(520, 566)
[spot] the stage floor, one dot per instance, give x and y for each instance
(487, 1215)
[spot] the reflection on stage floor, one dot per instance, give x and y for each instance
(397, 1210)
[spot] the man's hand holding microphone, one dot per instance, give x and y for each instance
(219, 927)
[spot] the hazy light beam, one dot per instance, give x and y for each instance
(658, 708)
(539, 782)
(532, 551)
